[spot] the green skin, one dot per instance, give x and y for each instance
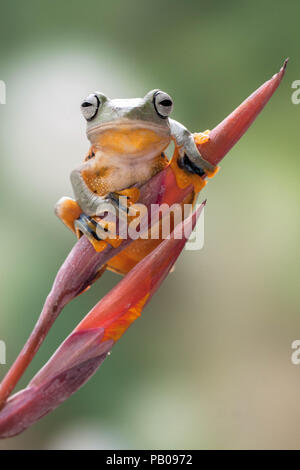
(151, 112)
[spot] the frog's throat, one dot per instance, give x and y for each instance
(131, 138)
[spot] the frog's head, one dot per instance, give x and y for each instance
(136, 127)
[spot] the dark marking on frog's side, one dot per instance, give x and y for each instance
(186, 164)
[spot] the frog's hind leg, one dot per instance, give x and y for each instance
(67, 210)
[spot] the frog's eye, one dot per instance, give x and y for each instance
(163, 104)
(90, 107)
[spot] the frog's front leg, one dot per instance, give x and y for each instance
(90, 203)
(190, 157)
(93, 205)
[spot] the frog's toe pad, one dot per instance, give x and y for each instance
(201, 137)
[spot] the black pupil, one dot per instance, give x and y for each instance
(166, 103)
(86, 104)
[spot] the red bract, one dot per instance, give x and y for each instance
(83, 351)
(65, 373)
(80, 269)
(84, 265)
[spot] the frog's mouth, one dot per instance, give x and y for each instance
(129, 139)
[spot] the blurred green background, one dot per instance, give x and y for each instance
(209, 363)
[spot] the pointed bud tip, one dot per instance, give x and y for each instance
(281, 72)
(285, 63)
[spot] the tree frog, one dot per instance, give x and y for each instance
(128, 138)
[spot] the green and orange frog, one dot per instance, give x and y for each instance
(128, 138)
